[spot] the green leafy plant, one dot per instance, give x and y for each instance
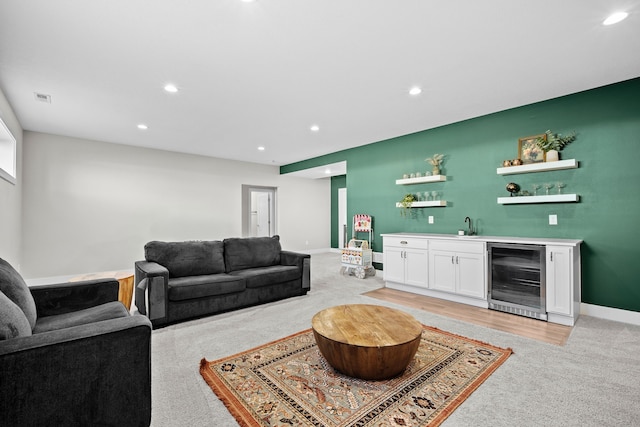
(554, 141)
(406, 202)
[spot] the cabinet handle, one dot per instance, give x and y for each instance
(403, 242)
(457, 261)
(452, 260)
(551, 254)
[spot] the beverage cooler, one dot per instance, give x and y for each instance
(517, 279)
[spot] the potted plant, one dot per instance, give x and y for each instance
(551, 143)
(435, 161)
(406, 202)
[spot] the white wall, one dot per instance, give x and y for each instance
(11, 195)
(91, 206)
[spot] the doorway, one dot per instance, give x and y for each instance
(342, 218)
(259, 211)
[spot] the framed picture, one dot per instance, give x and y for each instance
(528, 150)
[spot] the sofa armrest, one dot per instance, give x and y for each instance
(293, 258)
(94, 374)
(152, 286)
(66, 297)
(302, 261)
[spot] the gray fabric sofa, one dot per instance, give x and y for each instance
(185, 280)
(71, 355)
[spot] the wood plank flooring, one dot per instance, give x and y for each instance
(551, 333)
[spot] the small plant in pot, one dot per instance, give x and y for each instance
(435, 161)
(406, 202)
(552, 143)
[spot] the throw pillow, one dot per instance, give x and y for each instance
(182, 259)
(251, 252)
(13, 286)
(13, 322)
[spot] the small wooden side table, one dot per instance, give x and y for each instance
(125, 278)
(370, 342)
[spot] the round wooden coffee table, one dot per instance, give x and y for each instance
(367, 341)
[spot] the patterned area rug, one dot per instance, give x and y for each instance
(288, 383)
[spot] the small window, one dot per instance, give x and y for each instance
(7, 154)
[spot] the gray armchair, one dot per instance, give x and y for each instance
(71, 355)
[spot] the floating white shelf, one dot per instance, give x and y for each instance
(426, 204)
(552, 198)
(421, 180)
(539, 167)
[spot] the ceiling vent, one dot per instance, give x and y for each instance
(42, 97)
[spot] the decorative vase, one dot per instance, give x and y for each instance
(513, 188)
(552, 156)
(436, 170)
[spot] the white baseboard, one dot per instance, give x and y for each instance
(615, 314)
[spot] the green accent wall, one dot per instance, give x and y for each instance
(607, 218)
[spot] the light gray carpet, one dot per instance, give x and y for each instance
(594, 380)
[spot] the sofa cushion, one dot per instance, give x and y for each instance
(266, 276)
(110, 310)
(182, 259)
(251, 252)
(184, 288)
(13, 286)
(13, 322)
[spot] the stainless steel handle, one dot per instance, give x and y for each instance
(452, 259)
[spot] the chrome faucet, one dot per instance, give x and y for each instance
(470, 232)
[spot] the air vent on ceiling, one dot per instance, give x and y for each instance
(42, 97)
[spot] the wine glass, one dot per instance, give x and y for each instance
(548, 186)
(434, 194)
(536, 187)
(560, 186)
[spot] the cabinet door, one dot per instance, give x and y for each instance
(442, 271)
(559, 280)
(471, 275)
(416, 267)
(394, 264)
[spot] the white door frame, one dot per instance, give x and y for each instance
(252, 210)
(343, 227)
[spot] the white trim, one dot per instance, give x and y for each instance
(313, 251)
(615, 314)
(7, 176)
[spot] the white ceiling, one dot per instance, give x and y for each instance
(261, 73)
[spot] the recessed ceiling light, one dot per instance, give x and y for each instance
(327, 171)
(261, 148)
(171, 88)
(614, 18)
(142, 126)
(314, 128)
(415, 91)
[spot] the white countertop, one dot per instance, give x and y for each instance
(491, 239)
